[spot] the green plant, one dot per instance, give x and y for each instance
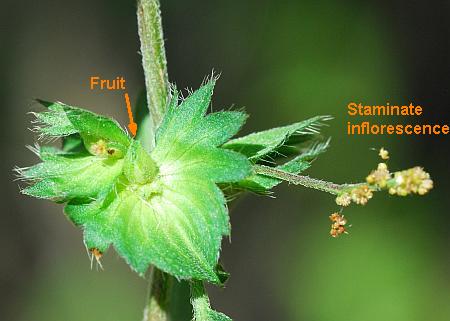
(160, 199)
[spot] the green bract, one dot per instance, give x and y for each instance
(162, 207)
(77, 172)
(277, 141)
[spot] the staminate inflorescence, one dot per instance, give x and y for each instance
(410, 181)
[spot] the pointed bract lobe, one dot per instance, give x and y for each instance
(61, 120)
(64, 176)
(262, 144)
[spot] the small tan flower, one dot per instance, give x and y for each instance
(338, 225)
(380, 176)
(343, 199)
(361, 195)
(414, 180)
(384, 154)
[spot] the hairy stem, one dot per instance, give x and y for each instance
(157, 88)
(201, 305)
(159, 285)
(153, 61)
(200, 301)
(305, 181)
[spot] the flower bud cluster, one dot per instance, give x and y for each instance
(379, 176)
(359, 195)
(411, 181)
(338, 225)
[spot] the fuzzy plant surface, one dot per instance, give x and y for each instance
(164, 207)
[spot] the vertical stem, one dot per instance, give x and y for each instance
(200, 301)
(153, 61)
(157, 88)
(159, 286)
(201, 306)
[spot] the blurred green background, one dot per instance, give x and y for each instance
(283, 61)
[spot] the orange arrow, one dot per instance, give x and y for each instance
(132, 126)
